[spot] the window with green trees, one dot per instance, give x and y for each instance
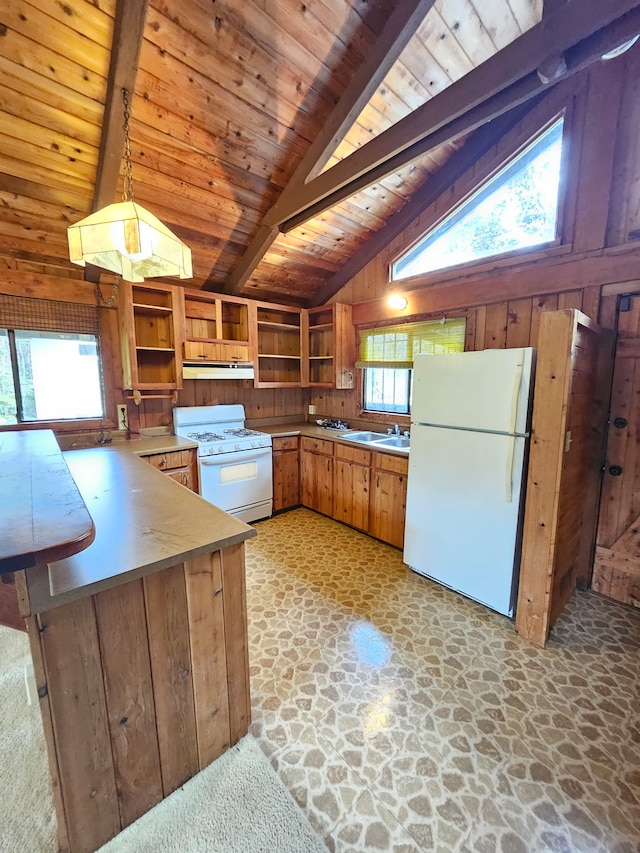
(516, 209)
(49, 376)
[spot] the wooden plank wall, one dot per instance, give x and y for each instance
(559, 520)
(493, 326)
(151, 675)
(601, 212)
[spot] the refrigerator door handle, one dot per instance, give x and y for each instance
(511, 447)
(515, 394)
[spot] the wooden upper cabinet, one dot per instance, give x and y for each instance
(152, 318)
(280, 360)
(217, 328)
(331, 346)
(166, 325)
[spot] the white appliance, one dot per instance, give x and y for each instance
(469, 434)
(234, 463)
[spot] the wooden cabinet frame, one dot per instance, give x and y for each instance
(152, 322)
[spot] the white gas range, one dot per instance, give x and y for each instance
(234, 463)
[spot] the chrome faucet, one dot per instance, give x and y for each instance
(396, 430)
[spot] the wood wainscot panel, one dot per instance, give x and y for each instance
(237, 642)
(560, 514)
(122, 631)
(66, 649)
(208, 658)
(168, 630)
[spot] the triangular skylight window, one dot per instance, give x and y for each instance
(516, 209)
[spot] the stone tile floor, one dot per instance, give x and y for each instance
(404, 717)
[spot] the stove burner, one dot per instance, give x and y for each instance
(206, 436)
(239, 432)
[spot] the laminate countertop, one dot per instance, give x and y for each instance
(144, 522)
(314, 431)
(43, 515)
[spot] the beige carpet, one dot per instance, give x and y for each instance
(236, 805)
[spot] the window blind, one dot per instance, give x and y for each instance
(48, 315)
(397, 346)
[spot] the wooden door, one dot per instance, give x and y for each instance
(317, 481)
(286, 479)
(616, 570)
(351, 494)
(388, 507)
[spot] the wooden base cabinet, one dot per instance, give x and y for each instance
(286, 472)
(180, 465)
(316, 474)
(389, 498)
(365, 490)
(141, 686)
(351, 492)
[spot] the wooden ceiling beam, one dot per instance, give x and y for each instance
(460, 162)
(401, 26)
(510, 76)
(128, 30)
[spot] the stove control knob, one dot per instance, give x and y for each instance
(237, 447)
(220, 449)
(254, 444)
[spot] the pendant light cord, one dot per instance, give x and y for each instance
(127, 195)
(107, 303)
(127, 190)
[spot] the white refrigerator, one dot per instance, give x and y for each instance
(470, 416)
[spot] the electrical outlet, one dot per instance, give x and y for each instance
(123, 421)
(312, 409)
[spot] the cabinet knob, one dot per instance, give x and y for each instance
(164, 463)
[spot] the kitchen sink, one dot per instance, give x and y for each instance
(397, 441)
(363, 437)
(378, 439)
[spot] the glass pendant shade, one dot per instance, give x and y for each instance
(128, 240)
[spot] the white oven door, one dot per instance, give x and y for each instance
(241, 483)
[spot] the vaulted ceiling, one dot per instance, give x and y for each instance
(278, 138)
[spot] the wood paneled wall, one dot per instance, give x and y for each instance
(600, 230)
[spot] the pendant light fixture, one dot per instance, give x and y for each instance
(125, 238)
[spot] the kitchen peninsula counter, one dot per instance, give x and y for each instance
(139, 645)
(144, 522)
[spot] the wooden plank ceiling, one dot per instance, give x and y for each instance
(228, 99)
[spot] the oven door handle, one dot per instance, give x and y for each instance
(235, 456)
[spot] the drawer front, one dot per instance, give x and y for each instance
(318, 445)
(172, 459)
(389, 462)
(205, 351)
(353, 454)
(182, 476)
(289, 442)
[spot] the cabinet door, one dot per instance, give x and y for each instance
(152, 329)
(181, 465)
(213, 351)
(286, 479)
(351, 494)
(388, 507)
(317, 482)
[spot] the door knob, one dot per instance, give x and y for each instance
(615, 470)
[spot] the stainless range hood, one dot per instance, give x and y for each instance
(221, 370)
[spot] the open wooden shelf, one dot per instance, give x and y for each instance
(283, 326)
